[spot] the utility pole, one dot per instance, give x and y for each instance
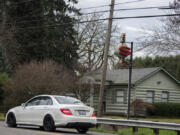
(129, 84)
(103, 79)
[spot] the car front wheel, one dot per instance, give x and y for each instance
(48, 123)
(82, 130)
(11, 120)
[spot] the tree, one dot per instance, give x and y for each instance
(164, 38)
(170, 63)
(91, 41)
(36, 78)
(38, 30)
(4, 63)
(3, 79)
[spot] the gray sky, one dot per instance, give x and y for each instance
(132, 27)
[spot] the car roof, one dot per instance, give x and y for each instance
(51, 95)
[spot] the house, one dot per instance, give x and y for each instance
(148, 84)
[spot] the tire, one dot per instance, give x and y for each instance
(11, 120)
(41, 128)
(48, 123)
(82, 130)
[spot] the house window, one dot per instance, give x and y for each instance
(150, 97)
(165, 96)
(121, 96)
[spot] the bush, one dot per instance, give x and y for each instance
(166, 109)
(36, 78)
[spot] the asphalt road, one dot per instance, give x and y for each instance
(21, 130)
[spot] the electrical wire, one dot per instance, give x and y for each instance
(93, 7)
(114, 4)
(97, 20)
(148, 16)
(60, 24)
(127, 9)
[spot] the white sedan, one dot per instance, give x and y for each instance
(50, 111)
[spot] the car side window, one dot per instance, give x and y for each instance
(46, 101)
(33, 102)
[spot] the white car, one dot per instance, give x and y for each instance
(51, 111)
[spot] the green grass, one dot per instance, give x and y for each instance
(141, 131)
(2, 117)
(144, 131)
(128, 131)
(103, 130)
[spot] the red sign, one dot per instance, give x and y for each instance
(124, 50)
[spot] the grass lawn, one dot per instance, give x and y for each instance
(2, 117)
(128, 131)
(141, 131)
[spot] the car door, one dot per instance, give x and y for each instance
(44, 107)
(29, 111)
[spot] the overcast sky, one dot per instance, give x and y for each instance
(132, 27)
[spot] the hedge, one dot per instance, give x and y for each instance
(166, 109)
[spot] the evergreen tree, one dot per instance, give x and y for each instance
(4, 64)
(170, 63)
(3, 79)
(39, 32)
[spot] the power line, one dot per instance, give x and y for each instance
(126, 9)
(61, 24)
(148, 16)
(97, 20)
(128, 2)
(142, 8)
(89, 8)
(114, 4)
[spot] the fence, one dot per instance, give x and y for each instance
(135, 124)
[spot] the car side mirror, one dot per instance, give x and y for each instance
(23, 105)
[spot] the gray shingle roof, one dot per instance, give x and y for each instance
(121, 76)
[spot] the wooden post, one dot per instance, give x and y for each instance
(156, 131)
(135, 129)
(115, 128)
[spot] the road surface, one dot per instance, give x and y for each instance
(21, 130)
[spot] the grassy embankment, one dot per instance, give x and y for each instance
(2, 117)
(141, 131)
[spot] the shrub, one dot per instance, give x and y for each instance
(36, 78)
(166, 109)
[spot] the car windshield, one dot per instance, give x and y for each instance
(67, 100)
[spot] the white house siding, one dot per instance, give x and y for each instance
(114, 107)
(151, 84)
